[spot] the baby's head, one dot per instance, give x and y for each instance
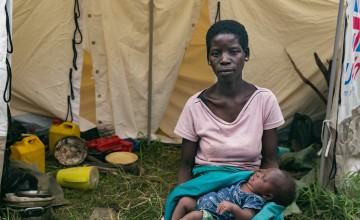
(273, 185)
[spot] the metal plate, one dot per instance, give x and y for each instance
(34, 193)
(27, 204)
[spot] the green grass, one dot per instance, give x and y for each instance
(143, 196)
(319, 203)
(131, 196)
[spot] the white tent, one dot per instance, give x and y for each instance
(124, 49)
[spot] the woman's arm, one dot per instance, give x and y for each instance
(187, 161)
(269, 149)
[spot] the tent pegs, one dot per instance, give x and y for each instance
(331, 91)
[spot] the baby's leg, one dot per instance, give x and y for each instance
(184, 206)
(194, 215)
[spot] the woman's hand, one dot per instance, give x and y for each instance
(187, 161)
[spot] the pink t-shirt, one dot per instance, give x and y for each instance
(236, 143)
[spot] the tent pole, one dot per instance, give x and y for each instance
(151, 25)
(331, 90)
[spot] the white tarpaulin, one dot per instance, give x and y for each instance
(348, 151)
(350, 84)
(43, 57)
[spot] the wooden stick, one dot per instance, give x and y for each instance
(306, 81)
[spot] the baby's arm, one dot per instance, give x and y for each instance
(238, 212)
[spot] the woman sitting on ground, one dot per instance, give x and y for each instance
(228, 129)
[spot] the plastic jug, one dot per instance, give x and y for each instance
(59, 130)
(30, 150)
(78, 177)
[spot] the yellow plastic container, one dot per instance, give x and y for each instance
(59, 130)
(30, 150)
(78, 177)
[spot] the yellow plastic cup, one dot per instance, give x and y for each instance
(78, 177)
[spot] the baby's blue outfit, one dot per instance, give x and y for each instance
(233, 194)
(211, 178)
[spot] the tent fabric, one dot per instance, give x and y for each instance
(3, 69)
(3, 76)
(87, 92)
(120, 82)
(120, 59)
(194, 74)
(42, 59)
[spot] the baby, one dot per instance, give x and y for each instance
(241, 200)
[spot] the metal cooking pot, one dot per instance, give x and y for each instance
(31, 204)
(12, 199)
(31, 211)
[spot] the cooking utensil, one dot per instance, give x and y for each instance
(34, 193)
(25, 202)
(70, 150)
(123, 158)
(31, 213)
